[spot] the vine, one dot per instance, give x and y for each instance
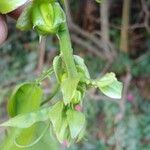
(73, 80)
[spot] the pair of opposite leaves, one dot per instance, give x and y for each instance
(108, 85)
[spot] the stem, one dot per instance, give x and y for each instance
(44, 75)
(42, 45)
(125, 26)
(67, 52)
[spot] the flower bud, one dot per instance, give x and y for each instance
(77, 97)
(47, 17)
(78, 108)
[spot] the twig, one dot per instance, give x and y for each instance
(122, 102)
(147, 14)
(120, 115)
(87, 45)
(41, 54)
(145, 23)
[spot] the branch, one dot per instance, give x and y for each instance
(145, 23)
(83, 43)
(122, 102)
(41, 54)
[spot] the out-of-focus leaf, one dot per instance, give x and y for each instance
(62, 133)
(24, 21)
(57, 65)
(25, 98)
(69, 86)
(110, 86)
(76, 122)
(55, 115)
(28, 119)
(8, 6)
(99, 1)
(60, 17)
(47, 141)
(80, 62)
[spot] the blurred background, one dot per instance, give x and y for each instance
(112, 36)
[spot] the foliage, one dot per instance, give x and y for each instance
(100, 132)
(24, 106)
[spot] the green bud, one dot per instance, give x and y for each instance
(77, 97)
(47, 17)
(43, 1)
(64, 76)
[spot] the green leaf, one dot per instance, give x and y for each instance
(83, 68)
(28, 119)
(110, 86)
(69, 86)
(25, 98)
(76, 122)
(55, 115)
(60, 17)
(45, 1)
(107, 79)
(99, 1)
(58, 68)
(35, 141)
(82, 134)
(59, 121)
(7, 6)
(24, 21)
(62, 132)
(8, 143)
(48, 141)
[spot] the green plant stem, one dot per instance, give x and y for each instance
(67, 52)
(44, 75)
(54, 92)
